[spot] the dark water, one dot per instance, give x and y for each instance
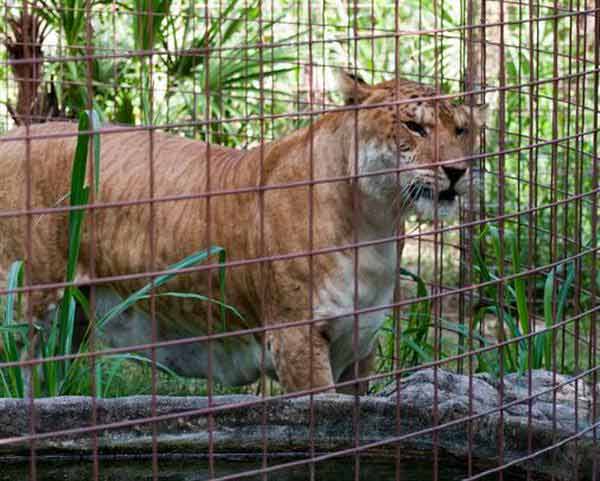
(195, 470)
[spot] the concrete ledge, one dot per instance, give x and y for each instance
(240, 429)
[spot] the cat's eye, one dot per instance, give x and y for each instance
(461, 131)
(416, 128)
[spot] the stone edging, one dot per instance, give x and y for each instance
(239, 430)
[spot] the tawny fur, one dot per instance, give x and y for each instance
(274, 292)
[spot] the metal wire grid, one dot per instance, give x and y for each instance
(480, 37)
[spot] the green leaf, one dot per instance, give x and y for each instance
(14, 281)
(96, 125)
(519, 284)
(564, 291)
(419, 323)
(548, 317)
(199, 297)
(189, 261)
(561, 303)
(148, 22)
(13, 376)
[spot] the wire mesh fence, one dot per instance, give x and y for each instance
(265, 203)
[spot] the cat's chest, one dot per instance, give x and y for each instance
(365, 285)
(361, 283)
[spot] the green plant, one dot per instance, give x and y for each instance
(148, 30)
(506, 303)
(68, 19)
(414, 348)
(408, 338)
(229, 77)
(12, 378)
(510, 304)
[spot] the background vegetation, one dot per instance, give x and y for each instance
(225, 72)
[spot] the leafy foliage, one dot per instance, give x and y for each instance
(534, 332)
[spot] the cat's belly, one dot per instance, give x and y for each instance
(234, 361)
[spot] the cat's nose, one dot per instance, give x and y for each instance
(454, 173)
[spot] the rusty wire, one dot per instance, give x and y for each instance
(574, 84)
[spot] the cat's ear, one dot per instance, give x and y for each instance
(353, 88)
(479, 112)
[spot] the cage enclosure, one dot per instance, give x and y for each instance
(299, 240)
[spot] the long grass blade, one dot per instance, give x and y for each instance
(189, 261)
(10, 337)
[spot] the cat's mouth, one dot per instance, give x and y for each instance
(423, 192)
(430, 204)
